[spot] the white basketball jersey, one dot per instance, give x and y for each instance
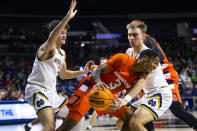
(156, 79)
(44, 73)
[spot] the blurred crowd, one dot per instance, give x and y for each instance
(14, 69)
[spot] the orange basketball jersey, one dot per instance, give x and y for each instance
(120, 76)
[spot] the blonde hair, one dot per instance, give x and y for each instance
(137, 24)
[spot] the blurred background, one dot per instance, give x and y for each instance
(98, 30)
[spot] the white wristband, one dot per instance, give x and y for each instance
(128, 98)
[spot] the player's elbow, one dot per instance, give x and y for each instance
(63, 75)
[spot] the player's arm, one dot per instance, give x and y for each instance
(103, 69)
(131, 93)
(69, 74)
(136, 88)
(49, 46)
(115, 62)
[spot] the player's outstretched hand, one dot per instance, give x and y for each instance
(72, 12)
(88, 66)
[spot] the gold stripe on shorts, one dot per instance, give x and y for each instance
(132, 108)
(150, 110)
(44, 108)
(40, 94)
(63, 104)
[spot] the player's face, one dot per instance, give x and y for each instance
(135, 37)
(62, 37)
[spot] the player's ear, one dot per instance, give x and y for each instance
(155, 62)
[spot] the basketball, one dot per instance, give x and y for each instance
(100, 99)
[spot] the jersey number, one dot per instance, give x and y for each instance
(73, 99)
(114, 85)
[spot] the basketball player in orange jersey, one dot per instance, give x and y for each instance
(120, 75)
(157, 98)
(170, 74)
(49, 63)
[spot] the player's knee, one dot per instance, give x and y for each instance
(119, 123)
(134, 122)
(68, 124)
(49, 127)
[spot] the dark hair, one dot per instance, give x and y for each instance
(148, 52)
(54, 23)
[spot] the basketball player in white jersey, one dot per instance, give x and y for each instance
(50, 63)
(158, 96)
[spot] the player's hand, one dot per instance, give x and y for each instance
(93, 67)
(71, 13)
(101, 85)
(88, 66)
(117, 104)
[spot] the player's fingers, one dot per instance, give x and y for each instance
(99, 85)
(75, 12)
(95, 86)
(73, 4)
(111, 108)
(105, 85)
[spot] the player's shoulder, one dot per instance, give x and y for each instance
(149, 37)
(62, 51)
(129, 51)
(150, 41)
